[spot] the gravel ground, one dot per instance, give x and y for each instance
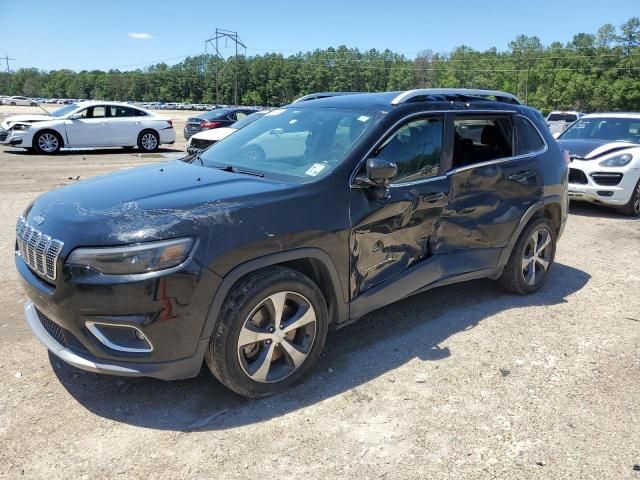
(464, 381)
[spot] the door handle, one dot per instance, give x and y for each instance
(516, 177)
(434, 197)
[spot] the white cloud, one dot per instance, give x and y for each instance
(140, 36)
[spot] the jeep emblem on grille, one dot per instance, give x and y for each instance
(38, 219)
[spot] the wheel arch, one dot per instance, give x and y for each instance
(549, 208)
(311, 262)
(60, 135)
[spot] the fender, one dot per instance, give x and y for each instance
(234, 275)
(528, 215)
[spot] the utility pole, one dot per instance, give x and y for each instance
(7, 60)
(213, 41)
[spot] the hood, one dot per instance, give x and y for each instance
(215, 134)
(28, 118)
(590, 149)
(159, 201)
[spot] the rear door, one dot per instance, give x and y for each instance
(495, 177)
(390, 234)
(90, 129)
(124, 125)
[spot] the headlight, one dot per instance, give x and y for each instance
(139, 258)
(20, 127)
(617, 161)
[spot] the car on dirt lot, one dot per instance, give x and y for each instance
(247, 262)
(19, 101)
(559, 121)
(218, 118)
(88, 125)
(605, 160)
(206, 138)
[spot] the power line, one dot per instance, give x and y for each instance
(214, 41)
(7, 60)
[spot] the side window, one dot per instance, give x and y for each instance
(84, 113)
(118, 111)
(232, 117)
(139, 113)
(480, 139)
(415, 148)
(240, 115)
(98, 112)
(529, 140)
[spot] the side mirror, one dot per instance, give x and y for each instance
(380, 172)
(76, 116)
(276, 131)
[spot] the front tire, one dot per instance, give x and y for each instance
(270, 332)
(47, 142)
(632, 208)
(148, 141)
(531, 259)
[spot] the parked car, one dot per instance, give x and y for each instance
(19, 101)
(558, 121)
(605, 160)
(206, 138)
(88, 124)
(222, 117)
(246, 262)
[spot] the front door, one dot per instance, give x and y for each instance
(394, 231)
(90, 129)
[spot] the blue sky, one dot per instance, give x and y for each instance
(88, 34)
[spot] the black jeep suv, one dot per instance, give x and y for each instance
(305, 220)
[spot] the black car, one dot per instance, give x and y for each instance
(307, 219)
(220, 117)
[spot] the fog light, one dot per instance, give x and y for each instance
(140, 335)
(123, 338)
(605, 193)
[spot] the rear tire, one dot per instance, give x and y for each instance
(148, 141)
(531, 259)
(270, 332)
(632, 208)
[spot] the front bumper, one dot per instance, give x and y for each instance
(185, 368)
(169, 310)
(12, 138)
(614, 195)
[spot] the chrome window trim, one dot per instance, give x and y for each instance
(383, 138)
(93, 328)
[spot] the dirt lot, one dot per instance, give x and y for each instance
(464, 381)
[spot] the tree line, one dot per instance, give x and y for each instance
(593, 72)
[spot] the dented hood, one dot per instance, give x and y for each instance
(7, 122)
(154, 202)
(591, 149)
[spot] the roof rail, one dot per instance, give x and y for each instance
(314, 96)
(455, 94)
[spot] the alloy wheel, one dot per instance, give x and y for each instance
(149, 141)
(48, 142)
(537, 256)
(636, 201)
(277, 337)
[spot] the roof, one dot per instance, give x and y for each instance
(385, 101)
(613, 114)
(89, 103)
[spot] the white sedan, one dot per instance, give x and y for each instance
(88, 125)
(604, 149)
(20, 101)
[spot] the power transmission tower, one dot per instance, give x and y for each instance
(7, 60)
(214, 42)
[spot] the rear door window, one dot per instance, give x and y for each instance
(480, 139)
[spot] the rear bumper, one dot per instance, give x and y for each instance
(184, 368)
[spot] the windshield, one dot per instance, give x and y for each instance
(303, 143)
(604, 128)
(248, 119)
(562, 117)
(61, 112)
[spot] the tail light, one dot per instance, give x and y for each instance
(565, 157)
(206, 125)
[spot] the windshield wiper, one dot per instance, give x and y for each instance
(231, 168)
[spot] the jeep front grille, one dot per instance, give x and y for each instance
(38, 250)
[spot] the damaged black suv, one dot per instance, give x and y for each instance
(307, 219)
